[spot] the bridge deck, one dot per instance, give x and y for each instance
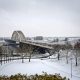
(39, 45)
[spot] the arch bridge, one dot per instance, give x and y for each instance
(21, 45)
(19, 37)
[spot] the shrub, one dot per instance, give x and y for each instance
(43, 76)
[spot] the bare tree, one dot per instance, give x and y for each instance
(1, 54)
(68, 47)
(77, 49)
(57, 48)
(26, 48)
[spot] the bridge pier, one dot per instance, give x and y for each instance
(30, 57)
(22, 58)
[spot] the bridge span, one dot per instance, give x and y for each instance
(19, 44)
(19, 37)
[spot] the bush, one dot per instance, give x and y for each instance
(43, 76)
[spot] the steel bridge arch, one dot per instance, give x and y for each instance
(18, 36)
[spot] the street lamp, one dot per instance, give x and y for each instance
(71, 66)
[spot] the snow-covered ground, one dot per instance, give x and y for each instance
(50, 66)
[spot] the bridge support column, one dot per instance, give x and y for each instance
(58, 56)
(30, 56)
(22, 58)
(49, 54)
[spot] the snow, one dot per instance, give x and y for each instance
(51, 66)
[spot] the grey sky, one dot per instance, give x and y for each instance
(40, 17)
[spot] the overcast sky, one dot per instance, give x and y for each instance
(40, 17)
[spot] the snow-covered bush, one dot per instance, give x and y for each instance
(43, 76)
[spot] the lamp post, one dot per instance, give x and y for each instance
(71, 66)
(71, 59)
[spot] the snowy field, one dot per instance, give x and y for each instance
(51, 66)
